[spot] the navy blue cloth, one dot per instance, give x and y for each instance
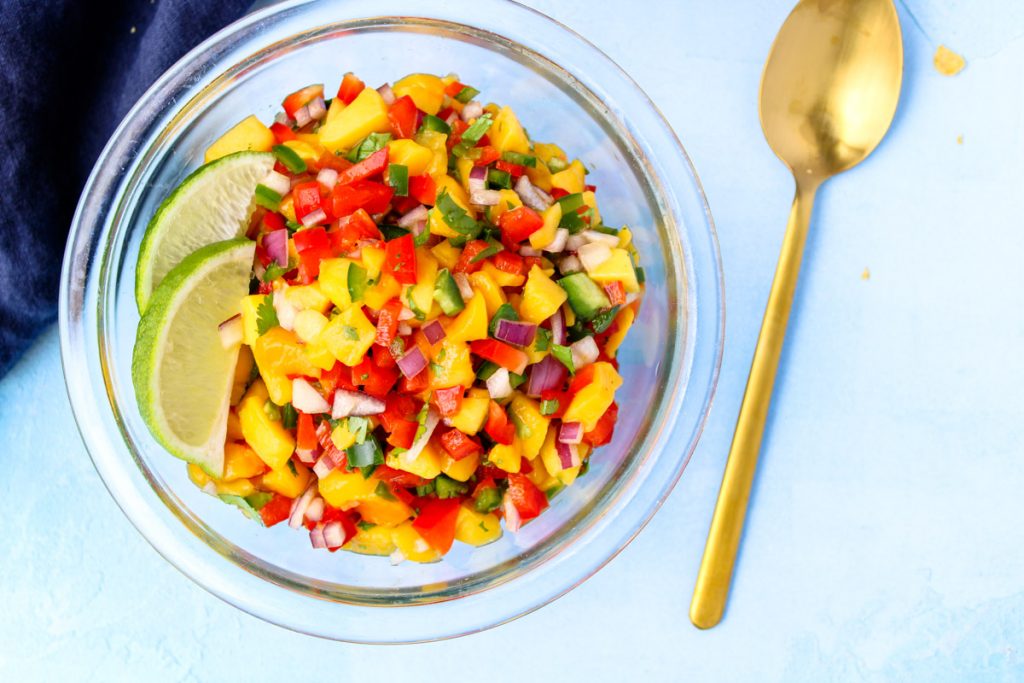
(69, 72)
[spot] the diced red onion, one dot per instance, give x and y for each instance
(417, 228)
(406, 314)
(334, 535)
(404, 330)
(281, 117)
(557, 327)
(595, 236)
(387, 94)
(314, 218)
(462, 280)
(584, 352)
(512, 519)
(316, 537)
(317, 109)
(549, 373)
(570, 432)
(433, 331)
(300, 505)
(231, 331)
(307, 455)
(499, 385)
(534, 197)
(593, 254)
(452, 118)
(286, 312)
(398, 557)
(485, 197)
(302, 116)
(315, 511)
(574, 242)
(477, 179)
(429, 425)
(306, 399)
(278, 182)
(472, 110)
(568, 455)
(329, 461)
(327, 177)
(558, 242)
(418, 214)
(570, 264)
(355, 404)
(515, 332)
(276, 244)
(529, 251)
(412, 363)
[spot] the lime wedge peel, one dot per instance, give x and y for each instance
(212, 204)
(181, 371)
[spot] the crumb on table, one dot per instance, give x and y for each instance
(866, 275)
(947, 62)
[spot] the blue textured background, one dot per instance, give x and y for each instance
(885, 538)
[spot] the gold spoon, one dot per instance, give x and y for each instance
(828, 94)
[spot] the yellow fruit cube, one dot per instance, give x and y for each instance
(378, 295)
(373, 260)
(234, 427)
(286, 481)
(308, 297)
(567, 476)
(540, 476)
(426, 90)
(379, 510)
(308, 151)
(617, 267)
(427, 463)
(500, 277)
(590, 200)
(410, 154)
(421, 295)
(591, 402)
(309, 324)
(543, 237)
(366, 114)
(485, 286)
(250, 316)
(437, 143)
(412, 545)
(531, 426)
(375, 540)
(472, 413)
(237, 487)
(248, 134)
(571, 179)
(344, 490)
(507, 457)
(541, 297)
(549, 452)
(460, 470)
(272, 442)
(508, 200)
(278, 352)
(435, 221)
(334, 281)
(507, 134)
(464, 166)
(446, 254)
(476, 528)
(241, 462)
(348, 336)
(243, 371)
(319, 355)
(471, 323)
(279, 387)
(341, 437)
(452, 366)
(625, 237)
(623, 321)
(199, 477)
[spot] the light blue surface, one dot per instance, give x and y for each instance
(885, 537)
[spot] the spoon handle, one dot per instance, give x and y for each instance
(712, 589)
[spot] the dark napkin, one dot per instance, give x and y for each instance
(69, 72)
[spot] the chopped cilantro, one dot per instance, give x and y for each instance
(603, 320)
(564, 355)
(289, 418)
(542, 342)
(384, 491)
(454, 215)
(549, 407)
(266, 315)
(373, 142)
(365, 526)
(273, 271)
(291, 466)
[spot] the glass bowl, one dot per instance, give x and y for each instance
(564, 90)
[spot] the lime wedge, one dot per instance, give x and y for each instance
(212, 204)
(181, 371)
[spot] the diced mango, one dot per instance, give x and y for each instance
(500, 277)
(426, 90)
(507, 134)
(540, 476)
(486, 287)
(378, 295)
(446, 254)
(464, 166)
(250, 316)
(452, 366)
(435, 221)
(412, 545)
(591, 402)
(471, 323)
(427, 463)
(421, 295)
(308, 297)
(437, 143)
(531, 426)
(379, 510)
(241, 462)
(198, 476)
(309, 324)
(287, 482)
(460, 470)
(549, 452)
(341, 437)
(476, 528)
(272, 442)
(236, 487)
(234, 427)
(344, 490)
(319, 355)
(366, 114)
(543, 237)
(349, 336)
(410, 154)
(373, 260)
(623, 321)
(243, 371)
(248, 134)
(625, 237)
(287, 208)
(307, 151)
(472, 413)
(334, 281)
(541, 297)
(279, 386)
(567, 476)
(617, 267)
(509, 200)
(278, 352)
(590, 200)
(507, 457)
(571, 179)
(375, 540)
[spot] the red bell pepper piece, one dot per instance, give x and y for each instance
(351, 230)
(336, 378)
(305, 436)
(312, 245)
(563, 398)
(492, 472)
(398, 408)
(270, 222)
(485, 483)
(375, 381)
(307, 198)
(508, 262)
(404, 434)
(398, 478)
(387, 322)
(414, 385)
(362, 194)
(453, 89)
(282, 133)
(469, 252)
(300, 98)
(528, 500)
(276, 510)
(458, 445)
(508, 357)
(488, 155)
(519, 223)
(616, 293)
(530, 261)
(449, 400)
(375, 164)
(402, 116)
(604, 429)
(558, 193)
(590, 188)
(350, 88)
(400, 259)
(515, 170)
(382, 356)
(423, 189)
(458, 128)
(498, 426)
(436, 522)
(582, 379)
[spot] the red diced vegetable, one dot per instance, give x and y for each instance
(307, 198)
(528, 500)
(448, 401)
(282, 133)
(402, 116)
(616, 293)
(510, 358)
(371, 196)
(276, 510)
(400, 259)
(508, 262)
(375, 380)
(375, 164)
(459, 445)
(519, 223)
(604, 429)
(423, 189)
(351, 230)
(436, 522)
(300, 98)
(498, 426)
(350, 88)
(387, 322)
(515, 170)
(465, 263)
(403, 434)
